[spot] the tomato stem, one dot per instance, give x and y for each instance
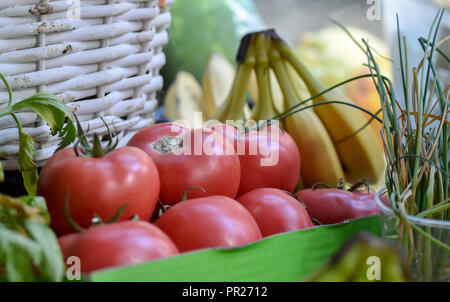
(69, 218)
(96, 220)
(341, 184)
(83, 148)
(97, 150)
(184, 196)
(296, 197)
(118, 213)
(360, 183)
(321, 185)
(316, 221)
(163, 206)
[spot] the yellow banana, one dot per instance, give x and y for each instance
(183, 99)
(264, 109)
(233, 107)
(277, 95)
(217, 81)
(320, 162)
(361, 155)
(171, 110)
(319, 159)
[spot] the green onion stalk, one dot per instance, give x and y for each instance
(416, 140)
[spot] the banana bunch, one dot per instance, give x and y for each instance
(330, 135)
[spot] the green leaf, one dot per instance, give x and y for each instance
(51, 265)
(2, 175)
(68, 133)
(29, 250)
(8, 88)
(54, 118)
(18, 253)
(285, 257)
(34, 201)
(26, 164)
(14, 211)
(39, 203)
(53, 111)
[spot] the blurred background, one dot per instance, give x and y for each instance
(294, 18)
(201, 28)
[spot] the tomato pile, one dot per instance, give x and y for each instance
(174, 189)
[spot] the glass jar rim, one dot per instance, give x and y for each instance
(416, 220)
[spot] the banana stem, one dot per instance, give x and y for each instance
(222, 111)
(233, 109)
(277, 65)
(237, 106)
(264, 108)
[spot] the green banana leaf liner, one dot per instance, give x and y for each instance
(290, 256)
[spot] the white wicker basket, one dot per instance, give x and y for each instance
(100, 57)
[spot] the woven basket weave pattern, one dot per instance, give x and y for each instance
(101, 59)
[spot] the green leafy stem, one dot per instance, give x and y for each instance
(54, 112)
(29, 249)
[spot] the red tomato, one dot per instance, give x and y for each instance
(335, 205)
(187, 158)
(275, 211)
(269, 158)
(214, 221)
(98, 186)
(117, 244)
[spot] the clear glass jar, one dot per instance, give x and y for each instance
(429, 261)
